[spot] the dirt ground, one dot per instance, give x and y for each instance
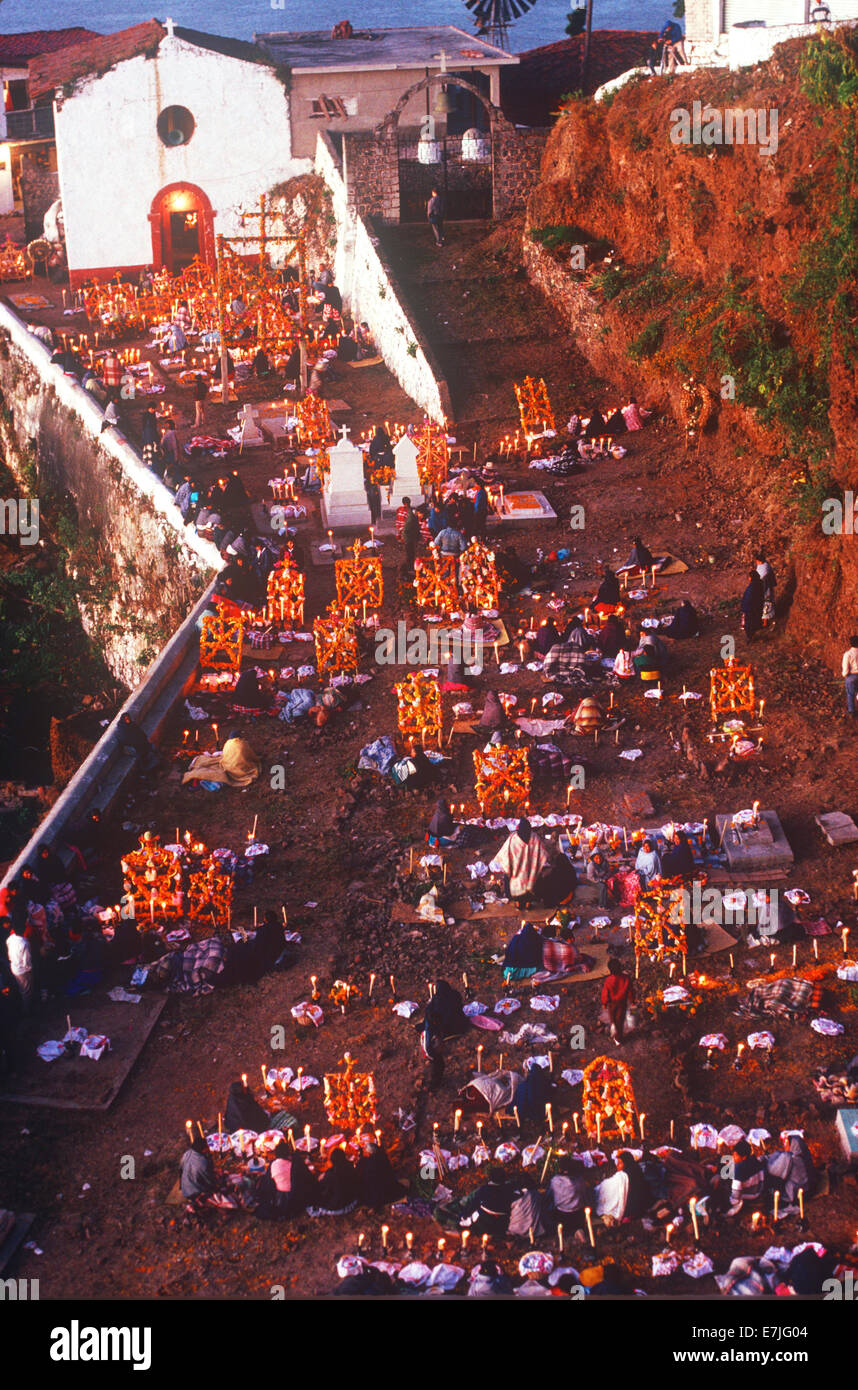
(336, 841)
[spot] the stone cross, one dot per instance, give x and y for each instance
(345, 431)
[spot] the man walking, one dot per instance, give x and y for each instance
(849, 671)
(410, 535)
(435, 215)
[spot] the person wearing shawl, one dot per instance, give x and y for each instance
(487, 1280)
(247, 693)
(618, 992)
(752, 605)
(532, 1095)
(441, 830)
(677, 861)
(380, 449)
(489, 1206)
(569, 1193)
(611, 637)
(640, 558)
(749, 1178)
(634, 417)
(684, 623)
(150, 436)
(523, 954)
(647, 660)
(556, 884)
(608, 592)
(236, 765)
(577, 635)
(599, 871)
(443, 1016)
(595, 425)
(647, 864)
(338, 1188)
(528, 1206)
(197, 1177)
(547, 637)
(456, 681)
(376, 1180)
(493, 715)
(521, 857)
(792, 1171)
(625, 1196)
(243, 1111)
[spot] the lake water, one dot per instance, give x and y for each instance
(545, 23)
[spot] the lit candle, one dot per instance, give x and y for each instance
(384, 1234)
(575, 1122)
(480, 1057)
(587, 1211)
(756, 1219)
(641, 1120)
(598, 1126)
(409, 1240)
(801, 1203)
(465, 1235)
(457, 1119)
(777, 1201)
(692, 1207)
(845, 937)
(815, 949)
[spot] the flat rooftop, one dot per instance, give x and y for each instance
(417, 47)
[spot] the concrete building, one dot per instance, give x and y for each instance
(27, 151)
(349, 84)
(739, 33)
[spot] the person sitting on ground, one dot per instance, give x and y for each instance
(243, 1110)
(647, 660)
(523, 954)
(247, 692)
(131, 736)
(236, 764)
(493, 715)
(522, 858)
(457, 680)
(569, 1193)
(677, 861)
(612, 637)
(618, 993)
(640, 557)
(595, 427)
(684, 623)
(648, 864)
(261, 364)
(608, 593)
(338, 1188)
(791, 1171)
(489, 1207)
(626, 1196)
(487, 1280)
(633, 415)
(197, 1178)
(526, 1213)
(599, 871)
(749, 1179)
(577, 635)
(376, 1181)
(442, 830)
(547, 637)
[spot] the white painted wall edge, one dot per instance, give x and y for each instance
(80, 403)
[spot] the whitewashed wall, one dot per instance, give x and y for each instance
(112, 162)
(368, 286)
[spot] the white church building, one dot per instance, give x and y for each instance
(164, 137)
(739, 33)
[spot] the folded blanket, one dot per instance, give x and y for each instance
(236, 764)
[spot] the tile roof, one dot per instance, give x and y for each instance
(531, 92)
(93, 57)
(17, 49)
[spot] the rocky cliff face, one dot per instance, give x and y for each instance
(719, 279)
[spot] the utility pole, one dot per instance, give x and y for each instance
(585, 60)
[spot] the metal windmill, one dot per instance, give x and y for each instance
(492, 18)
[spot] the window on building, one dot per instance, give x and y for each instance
(333, 108)
(176, 125)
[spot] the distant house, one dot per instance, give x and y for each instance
(738, 33)
(27, 154)
(349, 85)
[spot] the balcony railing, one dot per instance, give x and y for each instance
(35, 124)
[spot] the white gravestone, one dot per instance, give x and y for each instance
(407, 480)
(250, 435)
(344, 501)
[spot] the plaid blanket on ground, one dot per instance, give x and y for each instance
(563, 957)
(195, 969)
(563, 662)
(550, 763)
(788, 997)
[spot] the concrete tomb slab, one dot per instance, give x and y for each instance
(750, 851)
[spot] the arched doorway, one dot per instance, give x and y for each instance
(182, 227)
(455, 154)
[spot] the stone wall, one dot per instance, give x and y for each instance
(371, 174)
(39, 188)
(371, 290)
(151, 567)
(516, 159)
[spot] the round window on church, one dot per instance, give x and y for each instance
(176, 125)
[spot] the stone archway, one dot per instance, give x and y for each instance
(182, 225)
(464, 170)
